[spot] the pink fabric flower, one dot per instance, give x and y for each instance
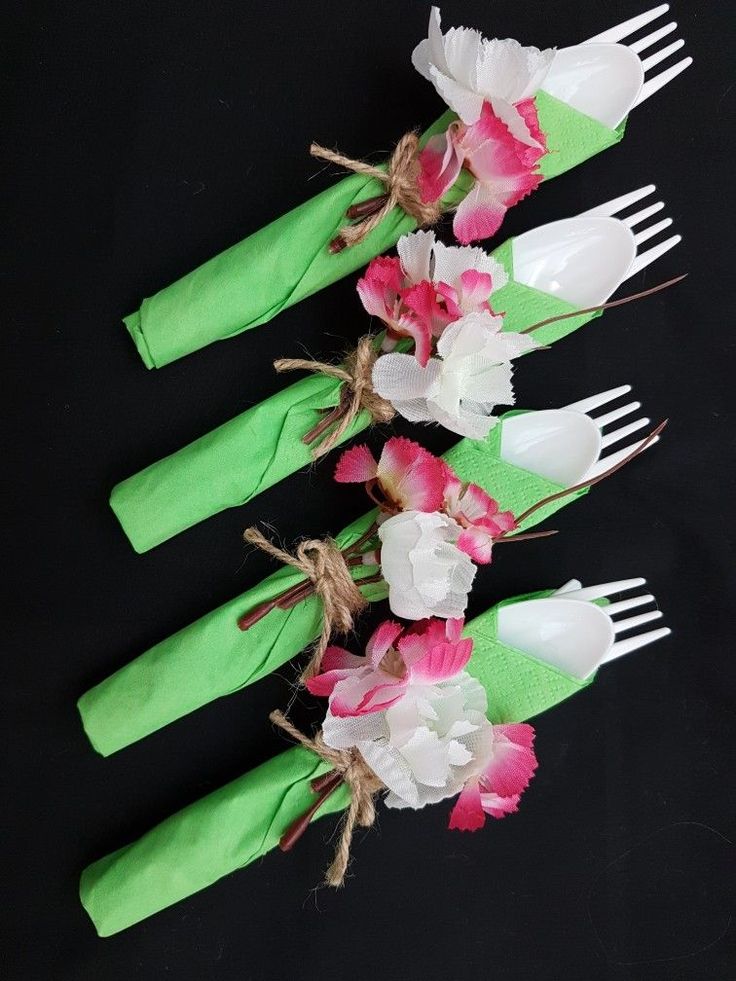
(478, 515)
(385, 292)
(429, 652)
(409, 476)
(497, 788)
(503, 163)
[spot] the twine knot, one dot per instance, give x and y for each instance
(348, 767)
(324, 565)
(401, 179)
(356, 393)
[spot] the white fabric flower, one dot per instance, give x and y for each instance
(426, 573)
(460, 388)
(426, 745)
(468, 70)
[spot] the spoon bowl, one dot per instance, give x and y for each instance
(581, 260)
(572, 635)
(559, 444)
(602, 81)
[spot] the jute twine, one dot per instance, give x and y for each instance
(356, 393)
(401, 179)
(323, 563)
(363, 784)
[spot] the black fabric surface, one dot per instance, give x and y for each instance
(143, 138)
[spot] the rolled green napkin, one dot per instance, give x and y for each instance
(244, 457)
(212, 657)
(244, 820)
(288, 260)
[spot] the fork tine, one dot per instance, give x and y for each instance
(605, 463)
(628, 27)
(628, 604)
(653, 85)
(653, 230)
(655, 59)
(622, 647)
(643, 214)
(618, 204)
(615, 414)
(621, 626)
(594, 401)
(571, 586)
(623, 432)
(604, 588)
(646, 42)
(648, 257)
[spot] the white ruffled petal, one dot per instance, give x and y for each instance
(415, 253)
(401, 377)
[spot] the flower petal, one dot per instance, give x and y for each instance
(356, 466)
(411, 476)
(439, 166)
(415, 252)
(442, 662)
(381, 640)
(467, 814)
(513, 762)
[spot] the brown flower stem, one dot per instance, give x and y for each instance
(306, 589)
(257, 613)
(319, 783)
(360, 542)
(606, 306)
(297, 828)
(366, 208)
(526, 537)
(595, 480)
(337, 245)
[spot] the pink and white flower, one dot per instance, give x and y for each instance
(496, 788)
(427, 574)
(407, 475)
(467, 69)
(426, 287)
(480, 517)
(503, 164)
(461, 387)
(428, 652)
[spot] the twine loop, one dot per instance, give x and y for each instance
(356, 393)
(363, 783)
(324, 564)
(401, 180)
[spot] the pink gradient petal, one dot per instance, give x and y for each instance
(440, 163)
(527, 109)
(379, 287)
(443, 661)
(468, 813)
(381, 640)
(476, 288)
(410, 476)
(356, 466)
(412, 326)
(421, 299)
(499, 807)
(477, 218)
(338, 659)
(454, 628)
(477, 544)
(452, 301)
(419, 639)
(513, 763)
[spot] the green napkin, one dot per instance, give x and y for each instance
(288, 260)
(212, 657)
(243, 821)
(255, 450)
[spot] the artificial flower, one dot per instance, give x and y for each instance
(479, 516)
(503, 164)
(407, 475)
(460, 388)
(428, 652)
(426, 287)
(467, 69)
(502, 777)
(426, 573)
(425, 746)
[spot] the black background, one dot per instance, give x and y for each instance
(143, 138)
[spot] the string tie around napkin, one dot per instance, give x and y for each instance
(401, 179)
(356, 393)
(324, 565)
(348, 767)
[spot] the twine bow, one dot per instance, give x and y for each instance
(401, 179)
(356, 393)
(324, 565)
(348, 767)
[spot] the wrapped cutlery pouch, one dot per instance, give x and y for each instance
(245, 456)
(243, 821)
(289, 260)
(212, 657)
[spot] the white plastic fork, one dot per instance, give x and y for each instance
(570, 632)
(631, 26)
(566, 445)
(613, 208)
